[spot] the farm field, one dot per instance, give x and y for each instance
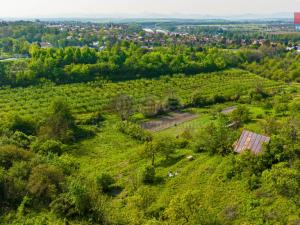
(92, 97)
(167, 121)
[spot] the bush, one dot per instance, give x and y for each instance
(148, 175)
(45, 182)
(198, 100)
(285, 180)
(105, 182)
(49, 146)
(134, 131)
(60, 123)
(16, 182)
(22, 124)
(21, 139)
(9, 154)
(241, 115)
(94, 119)
(173, 104)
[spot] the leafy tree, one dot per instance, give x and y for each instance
(2, 185)
(241, 115)
(60, 123)
(164, 146)
(284, 179)
(45, 182)
(123, 105)
(215, 138)
(148, 175)
(183, 208)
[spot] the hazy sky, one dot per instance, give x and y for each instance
(44, 8)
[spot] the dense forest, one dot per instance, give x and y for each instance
(121, 62)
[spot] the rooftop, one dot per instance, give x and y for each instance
(251, 141)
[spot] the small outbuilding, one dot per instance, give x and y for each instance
(251, 141)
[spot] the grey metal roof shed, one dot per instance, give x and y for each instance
(251, 141)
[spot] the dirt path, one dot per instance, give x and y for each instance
(229, 110)
(165, 122)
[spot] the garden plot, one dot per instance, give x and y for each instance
(171, 120)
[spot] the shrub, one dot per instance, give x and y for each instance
(173, 103)
(60, 123)
(49, 146)
(148, 175)
(241, 115)
(45, 182)
(134, 131)
(16, 182)
(21, 139)
(285, 180)
(94, 119)
(23, 124)
(105, 182)
(9, 154)
(198, 100)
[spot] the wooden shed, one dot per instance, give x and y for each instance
(251, 141)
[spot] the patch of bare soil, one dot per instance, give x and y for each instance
(168, 121)
(229, 110)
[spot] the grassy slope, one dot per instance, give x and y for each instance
(112, 152)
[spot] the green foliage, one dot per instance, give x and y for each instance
(134, 131)
(20, 139)
(123, 105)
(59, 124)
(95, 119)
(198, 100)
(163, 145)
(284, 179)
(47, 147)
(105, 182)
(184, 208)
(45, 182)
(283, 68)
(173, 103)
(92, 97)
(2, 184)
(241, 115)
(148, 175)
(215, 138)
(9, 154)
(22, 124)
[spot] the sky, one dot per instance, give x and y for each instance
(121, 8)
